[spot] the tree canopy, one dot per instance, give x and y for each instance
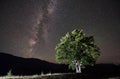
(77, 46)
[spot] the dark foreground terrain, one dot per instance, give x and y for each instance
(58, 76)
(31, 66)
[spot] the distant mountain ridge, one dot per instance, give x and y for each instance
(28, 66)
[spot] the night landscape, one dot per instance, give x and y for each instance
(30, 30)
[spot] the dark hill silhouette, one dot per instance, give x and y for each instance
(103, 70)
(28, 66)
(31, 66)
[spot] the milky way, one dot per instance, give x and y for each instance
(41, 28)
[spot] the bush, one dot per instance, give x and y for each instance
(9, 73)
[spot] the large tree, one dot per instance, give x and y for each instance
(76, 49)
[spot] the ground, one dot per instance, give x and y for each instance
(58, 76)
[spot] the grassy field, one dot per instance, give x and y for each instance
(56, 76)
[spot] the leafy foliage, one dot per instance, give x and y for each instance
(77, 46)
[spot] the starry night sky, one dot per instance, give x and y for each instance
(32, 28)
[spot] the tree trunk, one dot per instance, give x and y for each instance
(78, 68)
(77, 65)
